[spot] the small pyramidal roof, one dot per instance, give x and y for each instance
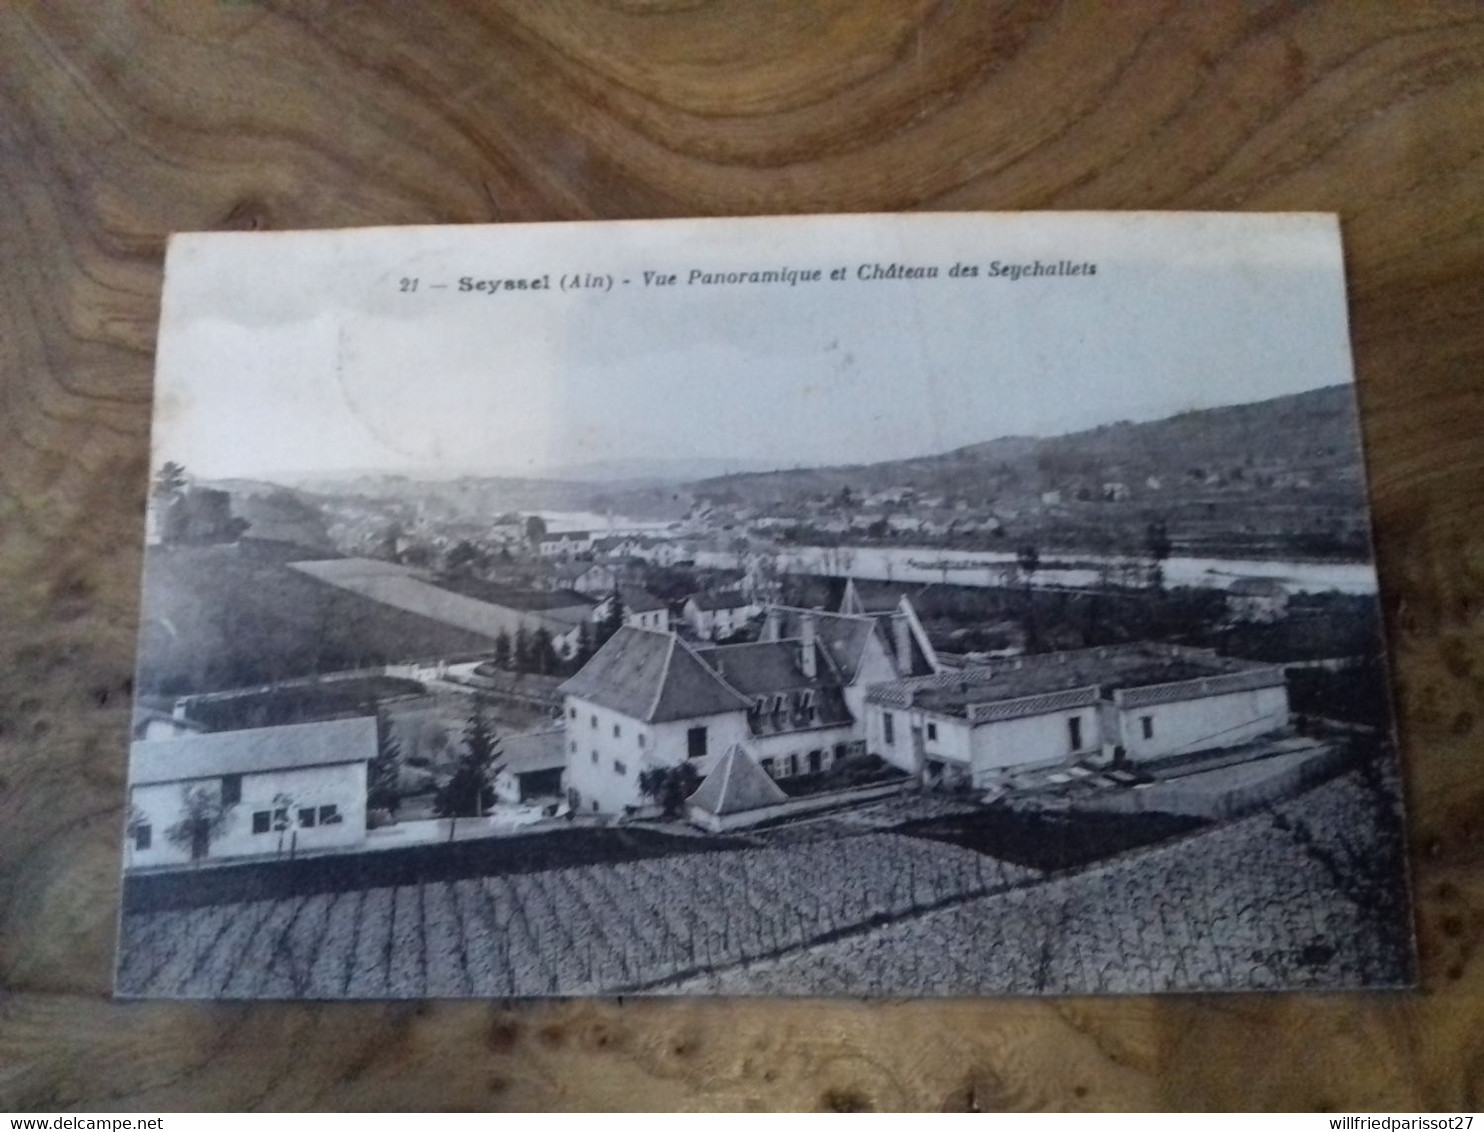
(736, 783)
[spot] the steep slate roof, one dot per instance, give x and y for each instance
(736, 783)
(842, 636)
(654, 677)
(763, 669)
(260, 750)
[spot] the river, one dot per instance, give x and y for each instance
(991, 568)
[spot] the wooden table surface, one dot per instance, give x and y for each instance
(121, 122)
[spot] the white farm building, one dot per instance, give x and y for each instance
(1134, 703)
(296, 788)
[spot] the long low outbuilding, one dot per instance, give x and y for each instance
(1129, 703)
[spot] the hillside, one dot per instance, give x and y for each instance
(218, 617)
(482, 497)
(1287, 439)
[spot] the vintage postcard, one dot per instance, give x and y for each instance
(858, 605)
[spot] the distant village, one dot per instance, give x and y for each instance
(685, 672)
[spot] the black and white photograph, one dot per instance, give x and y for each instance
(931, 605)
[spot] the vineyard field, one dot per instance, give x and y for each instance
(1242, 907)
(831, 907)
(582, 930)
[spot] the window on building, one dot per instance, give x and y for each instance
(617, 732)
(571, 713)
(595, 806)
(932, 730)
(329, 815)
(770, 767)
(641, 740)
(792, 763)
(306, 817)
(1146, 722)
(816, 761)
(572, 746)
(1074, 731)
(231, 789)
(619, 767)
(595, 723)
(888, 728)
(595, 756)
(695, 743)
(262, 821)
(143, 835)
(841, 750)
(281, 819)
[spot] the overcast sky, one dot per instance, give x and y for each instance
(300, 353)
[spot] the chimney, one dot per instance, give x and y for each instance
(902, 641)
(807, 659)
(770, 625)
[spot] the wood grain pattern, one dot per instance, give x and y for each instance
(122, 122)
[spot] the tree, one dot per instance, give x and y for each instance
(535, 530)
(502, 649)
(614, 619)
(521, 656)
(170, 481)
(387, 543)
(1157, 546)
(469, 791)
(466, 559)
(417, 554)
(203, 819)
(1028, 558)
(384, 775)
(586, 643)
(543, 652)
(669, 786)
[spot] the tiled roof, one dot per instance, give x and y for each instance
(654, 677)
(766, 670)
(842, 636)
(763, 667)
(1034, 705)
(970, 692)
(1205, 686)
(257, 751)
(736, 783)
